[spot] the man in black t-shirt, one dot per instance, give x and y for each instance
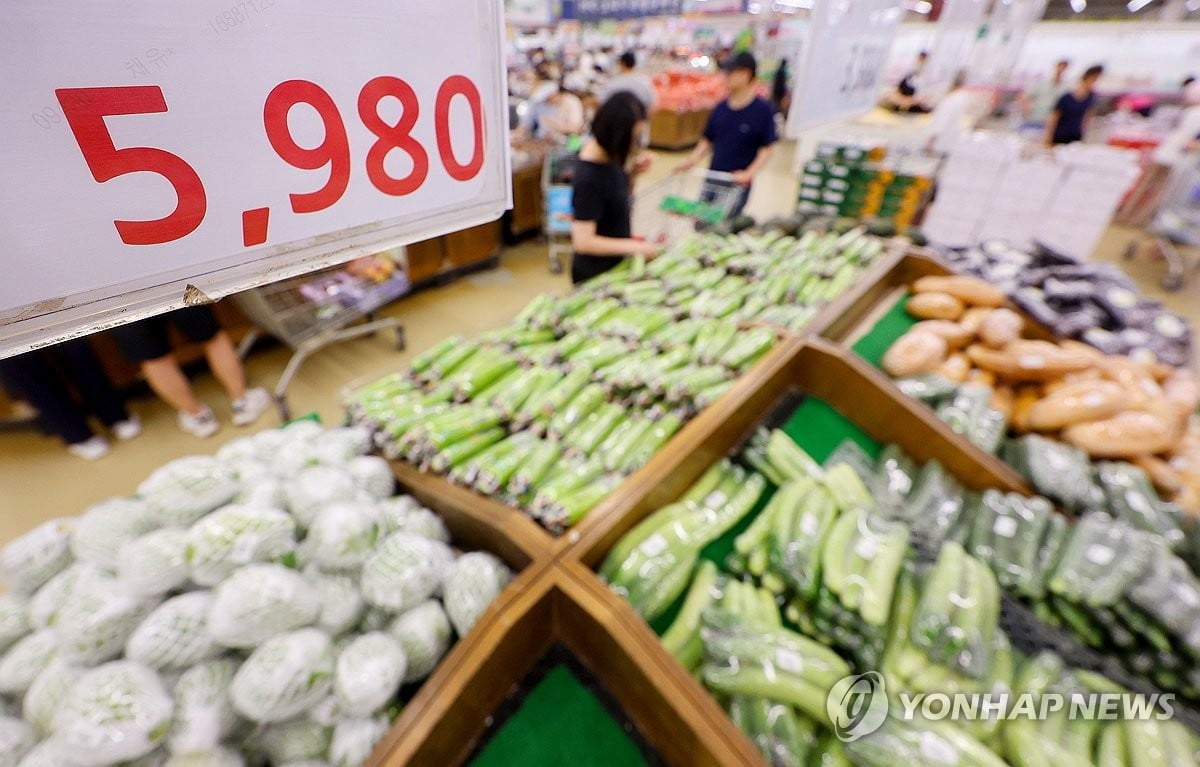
(1068, 120)
(740, 133)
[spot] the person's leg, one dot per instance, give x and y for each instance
(82, 368)
(168, 381)
(226, 365)
(741, 197)
(30, 377)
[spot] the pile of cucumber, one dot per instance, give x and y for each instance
(770, 278)
(834, 546)
(550, 413)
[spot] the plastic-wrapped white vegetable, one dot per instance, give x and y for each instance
(175, 635)
(237, 452)
(393, 510)
(265, 492)
(303, 431)
(154, 563)
(368, 673)
(14, 619)
(217, 757)
(99, 534)
(204, 715)
(46, 694)
(315, 487)
(424, 633)
(17, 738)
(252, 471)
(37, 556)
(267, 443)
(293, 457)
(343, 535)
(97, 619)
(472, 584)
(326, 712)
(285, 676)
(49, 753)
(235, 536)
(338, 446)
(21, 664)
(372, 474)
(295, 740)
(118, 711)
(186, 489)
(404, 571)
(259, 601)
(49, 599)
(308, 763)
(414, 518)
(341, 604)
(355, 739)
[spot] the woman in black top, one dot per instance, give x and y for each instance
(1068, 121)
(601, 232)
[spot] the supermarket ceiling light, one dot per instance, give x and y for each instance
(1137, 5)
(1079, 6)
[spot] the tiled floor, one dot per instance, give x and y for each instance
(39, 480)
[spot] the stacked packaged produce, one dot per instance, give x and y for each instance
(883, 569)
(551, 413)
(854, 182)
(263, 606)
(1094, 303)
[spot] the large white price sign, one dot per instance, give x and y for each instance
(159, 153)
(847, 46)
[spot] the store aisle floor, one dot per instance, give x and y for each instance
(39, 480)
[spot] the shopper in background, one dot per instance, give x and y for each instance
(1039, 100)
(44, 379)
(601, 234)
(1179, 148)
(781, 87)
(1068, 121)
(146, 343)
(740, 133)
(951, 118)
(629, 80)
(906, 98)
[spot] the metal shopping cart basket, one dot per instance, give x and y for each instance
(1176, 226)
(667, 210)
(315, 310)
(558, 175)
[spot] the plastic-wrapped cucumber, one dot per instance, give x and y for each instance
(343, 535)
(566, 479)
(154, 563)
(539, 462)
(204, 715)
(583, 403)
(315, 487)
(238, 535)
(186, 489)
(571, 507)
(37, 556)
(258, 602)
(404, 571)
(117, 712)
(46, 694)
(355, 739)
(284, 676)
(295, 740)
(587, 436)
(175, 635)
(368, 673)
(494, 474)
(930, 388)
(473, 583)
(1132, 498)
(97, 619)
(425, 359)
(653, 440)
(102, 529)
(464, 450)
(424, 634)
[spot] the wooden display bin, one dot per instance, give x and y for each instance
(674, 130)
(527, 200)
(469, 247)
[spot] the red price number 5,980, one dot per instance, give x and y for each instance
(86, 108)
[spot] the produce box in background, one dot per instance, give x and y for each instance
(860, 183)
(276, 602)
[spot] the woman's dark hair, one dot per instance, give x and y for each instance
(614, 123)
(628, 59)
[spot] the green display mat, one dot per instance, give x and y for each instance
(884, 333)
(560, 722)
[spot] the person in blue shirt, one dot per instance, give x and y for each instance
(1068, 121)
(740, 133)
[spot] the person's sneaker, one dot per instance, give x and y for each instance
(127, 429)
(204, 424)
(90, 449)
(250, 406)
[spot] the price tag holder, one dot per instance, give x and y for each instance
(157, 155)
(847, 45)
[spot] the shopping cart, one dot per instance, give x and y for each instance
(558, 173)
(667, 210)
(315, 310)
(1176, 226)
